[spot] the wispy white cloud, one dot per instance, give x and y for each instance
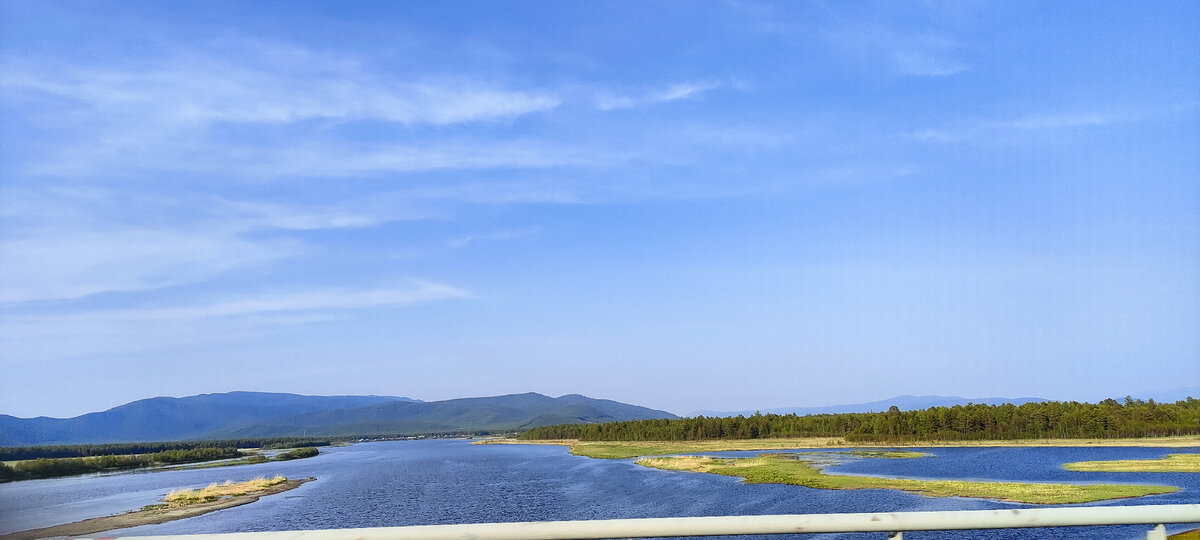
(1067, 120)
(1050, 121)
(860, 173)
(67, 243)
(270, 215)
(281, 160)
(197, 89)
(338, 160)
(906, 53)
(41, 336)
(942, 135)
(322, 300)
(513, 234)
(195, 111)
(926, 63)
(608, 101)
(143, 129)
(75, 263)
(197, 117)
(190, 111)
(70, 243)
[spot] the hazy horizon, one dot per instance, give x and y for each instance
(1161, 395)
(678, 205)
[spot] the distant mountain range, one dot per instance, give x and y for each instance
(259, 414)
(1168, 395)
(904, 403)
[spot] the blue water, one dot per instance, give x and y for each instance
(451, 481)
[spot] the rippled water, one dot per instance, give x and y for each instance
(450, 481)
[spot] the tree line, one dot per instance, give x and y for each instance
(114, 449)
(1045, 420)
(53, 467)
(299, 453)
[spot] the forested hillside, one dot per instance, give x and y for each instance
(466, 415)
(171, 418)
(236, 417)
(1052, 419)
(19, 453)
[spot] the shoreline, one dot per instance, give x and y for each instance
(153, 516)
(769, 468)
(631, 449)
(253, 456)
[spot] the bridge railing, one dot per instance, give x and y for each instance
(893, 523)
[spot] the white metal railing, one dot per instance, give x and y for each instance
(885, 522)
(894, 523)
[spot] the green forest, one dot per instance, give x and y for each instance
(116, 449)
(47, 467)
(54, 467)
(1046, 420)
(299, 453)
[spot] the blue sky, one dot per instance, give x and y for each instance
(684, 205)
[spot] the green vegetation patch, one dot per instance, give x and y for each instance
(299, 453)
(884, 454)
(1171, 463)
(21, 453)
(626, 450)
(249, 460)
(54, 467)
(790, 469)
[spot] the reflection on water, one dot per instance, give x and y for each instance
(440, 481)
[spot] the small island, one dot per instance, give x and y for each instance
(1189, 463)
(178, 504)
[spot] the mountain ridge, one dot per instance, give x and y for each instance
(505, 412)
(262, 414)
(165, 418)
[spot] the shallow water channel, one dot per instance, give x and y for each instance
(451, 481)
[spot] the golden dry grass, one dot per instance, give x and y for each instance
(1172, 463)
(215, 492)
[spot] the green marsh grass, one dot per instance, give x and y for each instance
(1170, 463)
(781, 469)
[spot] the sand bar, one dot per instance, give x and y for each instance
(149, 517)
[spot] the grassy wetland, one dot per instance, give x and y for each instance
(798, 469)
(1171, 463)
(802, 468)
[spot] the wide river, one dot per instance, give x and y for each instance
(451, 481)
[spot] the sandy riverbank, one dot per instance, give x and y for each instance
(151, 516)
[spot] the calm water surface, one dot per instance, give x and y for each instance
(451, 481)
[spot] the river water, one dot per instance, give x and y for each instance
(451, 481)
